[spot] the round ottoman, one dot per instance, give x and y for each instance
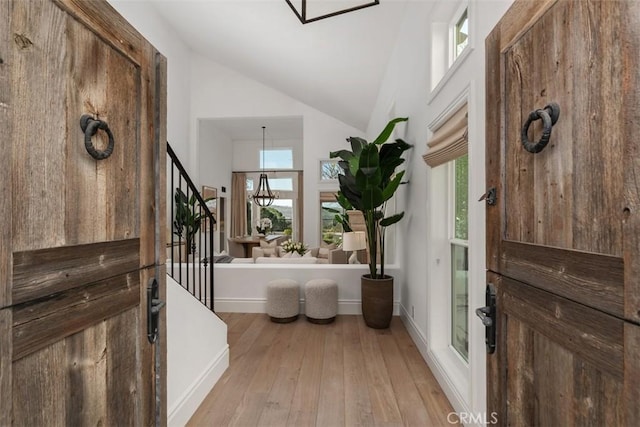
(321, 300)
(283, 300)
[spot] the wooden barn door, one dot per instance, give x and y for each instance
(563, 236)
(79, 239)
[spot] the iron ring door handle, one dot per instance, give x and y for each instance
(549, 116)
(90, 127)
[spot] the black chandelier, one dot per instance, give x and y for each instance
(315, 10)
(263, 196)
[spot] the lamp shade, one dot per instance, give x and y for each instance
(354, 241)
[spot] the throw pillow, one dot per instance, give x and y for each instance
(270, 252)
(265, 244)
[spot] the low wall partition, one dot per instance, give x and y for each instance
(242, 288)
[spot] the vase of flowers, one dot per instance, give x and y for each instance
(294, 247)
(264, 226)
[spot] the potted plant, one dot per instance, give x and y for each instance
(369, 181)
(187, 221)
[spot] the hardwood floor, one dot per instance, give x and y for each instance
(341, 374)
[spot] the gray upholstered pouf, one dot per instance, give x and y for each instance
(283, 300)
(321, 300)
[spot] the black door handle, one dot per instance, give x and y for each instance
(487, 315)
(154, 304)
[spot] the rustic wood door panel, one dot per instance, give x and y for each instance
(80, 238)
(562, 240)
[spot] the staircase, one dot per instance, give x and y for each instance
(197, 349)
(190, 244)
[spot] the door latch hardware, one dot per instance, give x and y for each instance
(487, 315)
(490, 196)
(154, 304)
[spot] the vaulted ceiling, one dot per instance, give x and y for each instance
(335, 65)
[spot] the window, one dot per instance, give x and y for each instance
(330, 229)
(276, 158)
(283, 212)
(460, 34)
(459, 242)
(329, 170)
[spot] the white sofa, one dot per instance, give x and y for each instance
(278, 260)
(335, 256)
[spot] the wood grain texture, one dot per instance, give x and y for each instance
(43, 272)
(123, 381)
(331, 405)
(496, 375)
(102, 198)
(6, 123)
(86, 362)
(317, 365)
(519, 18)
(111, 26)
(40, 387)
(38, 146)
(39, 324)
(570, 194)
(357, 403)
(493, 157)
(519, 390)
(592, 279)
(591, 335)
(631, 396)
(6, 348)
(630, 51)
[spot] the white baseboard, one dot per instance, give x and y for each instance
(181, 411)
(259, 305)
(455, 398)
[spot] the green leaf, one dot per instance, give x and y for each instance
(386, 133)
(390, 189)
(390, 220)
(357, 144)
(345, 155)
(372, 198)
(369, 160)
(364, 182)
(343, 202)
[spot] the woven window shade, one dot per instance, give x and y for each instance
(449, 141)
(328, 196)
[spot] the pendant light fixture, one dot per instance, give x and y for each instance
(315, 10)
(263, 196)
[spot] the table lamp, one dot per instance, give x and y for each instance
(354, 241)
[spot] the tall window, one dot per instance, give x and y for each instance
(460, 34)
(459, 242)
(282, 212)
(447, 148)
(330, 229)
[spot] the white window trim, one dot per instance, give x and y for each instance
(457, 63)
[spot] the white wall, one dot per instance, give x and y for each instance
(407, 92)
(223, 93)
(246, 153)
(243, 287)
(197, 353)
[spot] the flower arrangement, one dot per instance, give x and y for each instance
(264, 226)
(291, 247)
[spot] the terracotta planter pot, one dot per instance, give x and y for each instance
(377, 301)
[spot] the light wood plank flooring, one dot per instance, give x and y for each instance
(341, 374)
